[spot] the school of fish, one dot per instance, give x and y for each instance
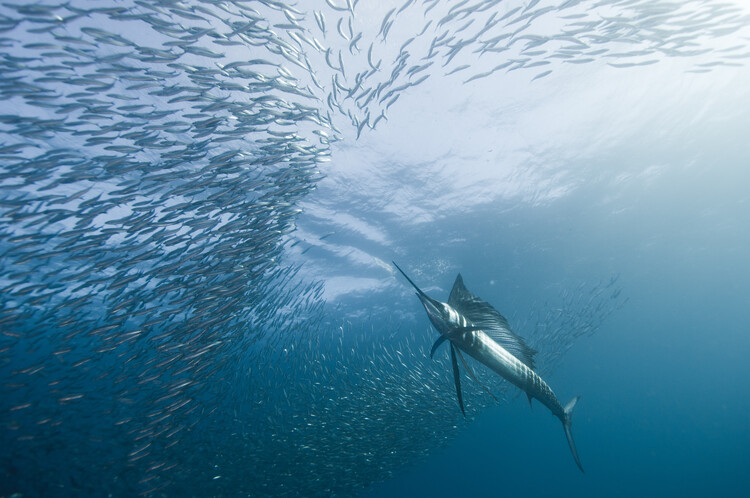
(154, 339)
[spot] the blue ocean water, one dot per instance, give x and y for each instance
(200, 202)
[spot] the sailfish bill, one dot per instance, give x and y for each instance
(474, 327)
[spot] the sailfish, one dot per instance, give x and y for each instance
(473, 326)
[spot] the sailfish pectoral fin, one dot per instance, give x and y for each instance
(457, 379)
(437, 344)
(471, 373)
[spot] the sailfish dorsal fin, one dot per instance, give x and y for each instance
(482, 314)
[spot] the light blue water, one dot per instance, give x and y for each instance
(199, 208)
(661, 382)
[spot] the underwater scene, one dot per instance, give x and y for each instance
(369, 248)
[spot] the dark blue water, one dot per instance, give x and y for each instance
(200, 203)
(662, 402)
(660, 414)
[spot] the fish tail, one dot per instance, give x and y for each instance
(568, 434)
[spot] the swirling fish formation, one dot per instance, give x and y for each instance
(152, 157)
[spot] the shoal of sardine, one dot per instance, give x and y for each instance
(152, 159)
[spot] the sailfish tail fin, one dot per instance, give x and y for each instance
(568, 434)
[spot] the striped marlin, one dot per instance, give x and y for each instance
(471, 325)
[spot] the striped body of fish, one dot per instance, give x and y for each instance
(473, 326)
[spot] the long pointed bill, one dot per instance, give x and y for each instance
(422, 296)
(407, 278)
